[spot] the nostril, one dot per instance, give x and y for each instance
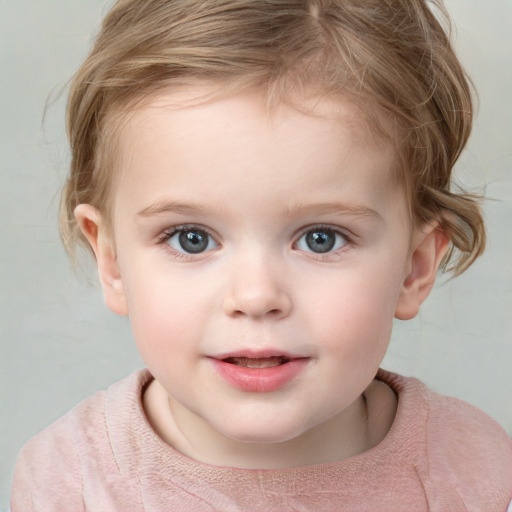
(257, 301)
(272, 313)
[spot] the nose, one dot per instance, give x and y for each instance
(257, 290)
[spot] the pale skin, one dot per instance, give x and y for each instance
(308, 252)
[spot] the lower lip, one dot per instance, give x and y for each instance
(259, 380)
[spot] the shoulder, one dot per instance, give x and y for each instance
(460, 448)
(61, 456)
(466, 445)
(50, 462)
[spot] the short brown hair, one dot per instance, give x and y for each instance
(388, 55)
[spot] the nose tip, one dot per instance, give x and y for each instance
(257, 296)
(257, 308)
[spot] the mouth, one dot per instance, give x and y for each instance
(261, 371)
(257, 362)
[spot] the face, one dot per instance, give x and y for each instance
(261, 257)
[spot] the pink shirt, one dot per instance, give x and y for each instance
(441, 454)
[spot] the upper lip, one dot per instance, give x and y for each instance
(258, 354)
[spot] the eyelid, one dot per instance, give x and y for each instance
(169, 232)
(346, 234)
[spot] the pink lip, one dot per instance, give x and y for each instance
(258, 354)
(258, 380)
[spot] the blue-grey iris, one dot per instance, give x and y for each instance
(193, 242)
(321, 240)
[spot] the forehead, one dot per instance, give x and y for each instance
(241, 141)
(186, 110)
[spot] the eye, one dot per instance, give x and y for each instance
(321, 240)
(190, 240)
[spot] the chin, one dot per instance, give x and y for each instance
(267, 432)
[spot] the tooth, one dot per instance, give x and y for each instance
(264, 362)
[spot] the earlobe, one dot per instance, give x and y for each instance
(429, 247)
(93, 228)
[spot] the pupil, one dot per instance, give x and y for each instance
(320, 241)
(193, 241)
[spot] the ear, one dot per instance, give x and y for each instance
(93, 228)
(429, 246)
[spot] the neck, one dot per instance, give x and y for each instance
(353, 431)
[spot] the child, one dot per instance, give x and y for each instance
(265, 185)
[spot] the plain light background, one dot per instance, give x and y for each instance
(60, 344)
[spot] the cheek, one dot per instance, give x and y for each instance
(164, 315)
(357, 314)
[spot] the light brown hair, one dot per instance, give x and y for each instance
(392, 57)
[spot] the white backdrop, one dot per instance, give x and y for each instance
(59, 343)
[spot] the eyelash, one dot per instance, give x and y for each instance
(164, 238)
(348, 238)
(167, 235)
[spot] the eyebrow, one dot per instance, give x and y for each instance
(332, 208)
(164, 206)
